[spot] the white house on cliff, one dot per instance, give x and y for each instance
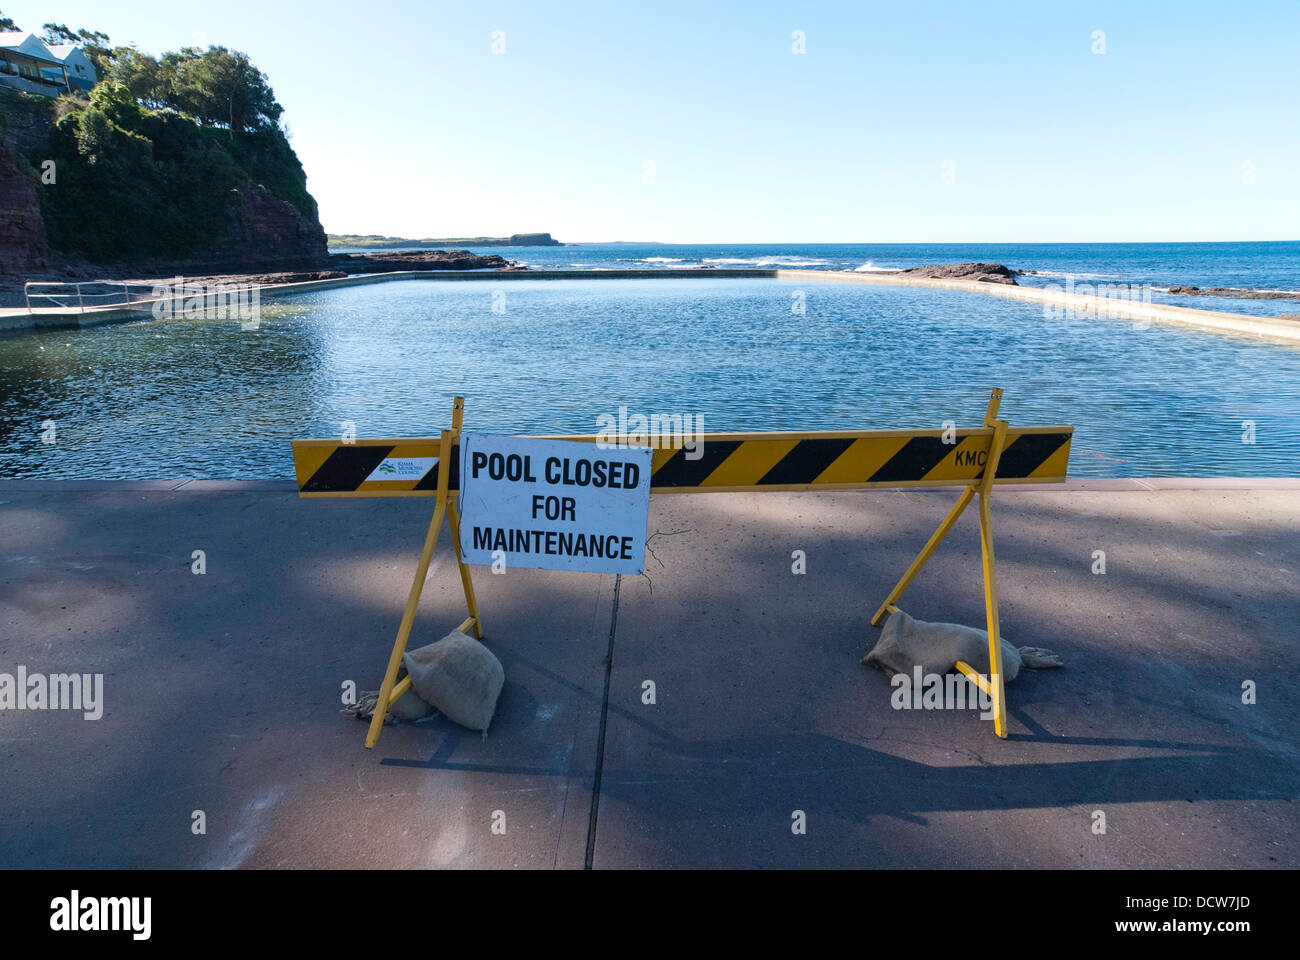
(76, 65)
(27, 63)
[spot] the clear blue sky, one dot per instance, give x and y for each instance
(408, 123)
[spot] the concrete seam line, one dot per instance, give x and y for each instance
(600, 742)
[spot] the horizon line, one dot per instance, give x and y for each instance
(824, 243)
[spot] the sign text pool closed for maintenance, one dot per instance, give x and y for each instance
(553, 504)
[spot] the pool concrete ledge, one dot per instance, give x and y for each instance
(1061, 302)
(222, 689)
(1143, 312)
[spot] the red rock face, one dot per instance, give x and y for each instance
(23, 246)
(268, 233)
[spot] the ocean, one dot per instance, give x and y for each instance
(1267, 265)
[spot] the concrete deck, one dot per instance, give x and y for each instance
(223, 690)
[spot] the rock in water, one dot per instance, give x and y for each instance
(1241, 293)
(984, 272)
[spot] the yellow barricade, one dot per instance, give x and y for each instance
(977, 459)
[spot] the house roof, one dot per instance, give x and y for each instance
(29, 45)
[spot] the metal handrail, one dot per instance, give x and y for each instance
(222, 297)
(66, 290)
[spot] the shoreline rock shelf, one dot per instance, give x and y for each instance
(1240, 293)
(419, 260)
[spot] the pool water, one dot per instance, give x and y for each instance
(207, 398)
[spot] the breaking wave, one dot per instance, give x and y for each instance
(771, 261)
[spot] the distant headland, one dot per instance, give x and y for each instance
(379, 242)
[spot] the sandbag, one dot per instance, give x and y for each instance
(906, 643)
(410, 707)
(459, 676)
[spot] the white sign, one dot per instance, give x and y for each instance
(553, 504)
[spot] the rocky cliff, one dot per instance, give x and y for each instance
(23, 246)
(264, 234)
(267, 233)
(141, 192)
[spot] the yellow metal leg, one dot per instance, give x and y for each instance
(974, 677)
(991, 580)
(994, 685)
(404, 631)
(991, 610)
(417, 586)
(924, 555)
(995, 451)
(399, 690)
(453, 517)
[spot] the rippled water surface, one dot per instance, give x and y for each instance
(205, 398)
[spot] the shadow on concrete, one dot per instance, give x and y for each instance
(223, 690)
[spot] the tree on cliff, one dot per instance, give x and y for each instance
(217, 86)
(220, 86)
(56, 33)
(139, 73)
(135, 181)
(164, 156)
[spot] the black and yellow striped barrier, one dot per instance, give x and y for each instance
(730, 462)
(977, 459)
